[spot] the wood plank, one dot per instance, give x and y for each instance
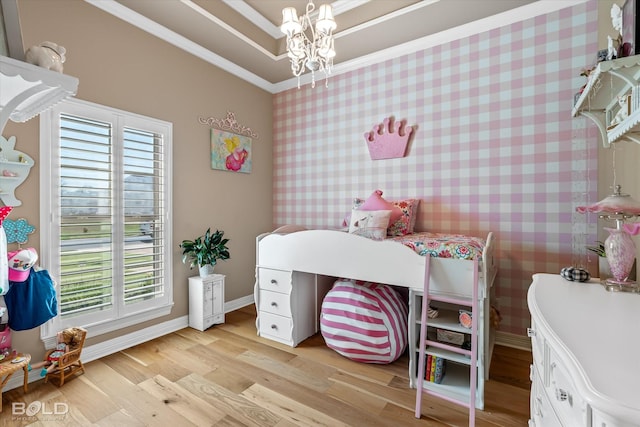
(294, 411)
(182, 401)
(305, 377)
(357, 398)
(81, 393)
(237, 344)
(196, 336)
(511, 366)
(130, 397)
(229, 379)
(133, 369)
(233, 404)
(120, 418)
(404, 397)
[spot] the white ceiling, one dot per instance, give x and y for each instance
(243, 36)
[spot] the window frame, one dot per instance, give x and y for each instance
(121, 316)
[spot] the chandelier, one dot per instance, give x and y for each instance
(308, 46)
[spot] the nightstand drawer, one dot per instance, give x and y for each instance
(275, 303)
(279, 327)
(275, 280)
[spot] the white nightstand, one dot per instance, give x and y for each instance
(206, 301)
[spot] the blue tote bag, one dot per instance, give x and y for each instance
(32, 302)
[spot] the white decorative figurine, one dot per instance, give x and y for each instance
(623, 112)
(47, 55)
(614, 46)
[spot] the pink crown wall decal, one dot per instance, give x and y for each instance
(388, 140)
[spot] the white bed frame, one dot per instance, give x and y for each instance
(338, 254)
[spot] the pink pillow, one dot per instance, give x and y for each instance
(407, 221)
(375, 202)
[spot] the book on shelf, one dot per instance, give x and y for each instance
(441, 366)
(432, 374)
(427, 367)
(435, 368)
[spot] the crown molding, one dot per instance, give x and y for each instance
(528, 11)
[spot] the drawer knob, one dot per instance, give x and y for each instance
(274, 304)
(274, 327)
(274, 282)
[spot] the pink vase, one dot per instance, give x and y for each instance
(621, 253)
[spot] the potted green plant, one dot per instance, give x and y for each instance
(205, 251)
(598, 250)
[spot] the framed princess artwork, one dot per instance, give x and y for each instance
(230, 151)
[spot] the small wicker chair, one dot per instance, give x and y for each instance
(69, 363)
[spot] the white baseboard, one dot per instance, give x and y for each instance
(238, 303)
(105, 348)
(512, 340)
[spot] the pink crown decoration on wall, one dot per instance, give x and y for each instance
(388, 140)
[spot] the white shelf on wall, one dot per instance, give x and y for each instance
(599, 99)
(27, 90)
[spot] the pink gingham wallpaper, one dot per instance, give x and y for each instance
(495, 149)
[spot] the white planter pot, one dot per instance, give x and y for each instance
(603, 268)
(205, 270)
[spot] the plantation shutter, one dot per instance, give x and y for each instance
(112, 210)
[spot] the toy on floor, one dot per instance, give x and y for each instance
(65, 357)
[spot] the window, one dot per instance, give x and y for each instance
(105, 197)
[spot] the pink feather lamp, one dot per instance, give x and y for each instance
(619, 246)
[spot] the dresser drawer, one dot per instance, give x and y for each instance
(537, 347)
(275, 303)
(274, 326)
(274, 280)
(542, 414)
(568, 404)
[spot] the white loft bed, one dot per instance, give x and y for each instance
(295, 267)
(340, 254)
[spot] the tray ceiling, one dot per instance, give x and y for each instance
(243, 36)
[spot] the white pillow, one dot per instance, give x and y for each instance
(370, 224)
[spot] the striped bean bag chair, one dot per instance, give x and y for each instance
(365, 322)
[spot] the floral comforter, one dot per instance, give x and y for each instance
(442, 245)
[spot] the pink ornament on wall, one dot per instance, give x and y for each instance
(388, 140)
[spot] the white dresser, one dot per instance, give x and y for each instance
(206, 301)
(288, 313)
(586, 354)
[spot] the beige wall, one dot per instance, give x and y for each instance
(121, 66)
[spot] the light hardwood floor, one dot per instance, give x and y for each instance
(227, 376)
